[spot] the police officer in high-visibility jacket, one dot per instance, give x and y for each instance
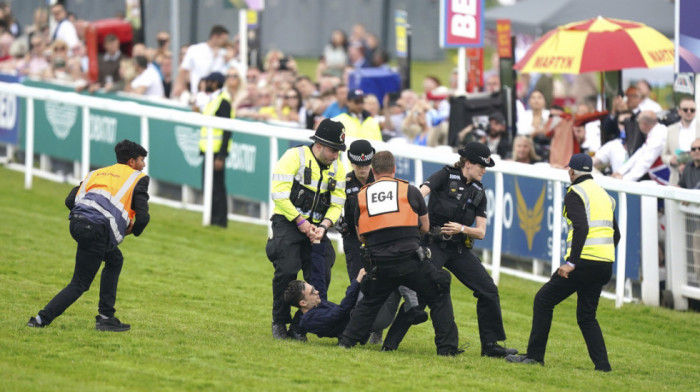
(219, 106)
(390, 216)
(591, 241)
(308, 189)
(357, 121)
(109, 204)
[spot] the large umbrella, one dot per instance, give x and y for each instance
(599, 44)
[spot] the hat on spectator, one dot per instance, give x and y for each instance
(478, 153)
(498, 117)
(355, 94)
(330, 133)
(438, 94)
(581, 162)
(361, 152)
(216, 77)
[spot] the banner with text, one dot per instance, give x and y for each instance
(461, 23)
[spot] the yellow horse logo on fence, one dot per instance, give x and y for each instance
(530, 219)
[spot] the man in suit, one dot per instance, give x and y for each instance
(680, 137)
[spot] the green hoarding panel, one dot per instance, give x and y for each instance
(248, 167)
(174, 153)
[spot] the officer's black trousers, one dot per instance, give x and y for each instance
(468, 269)
(420, 280)
(94, 246)
(290, 252)
(219, 202)
(587, 281)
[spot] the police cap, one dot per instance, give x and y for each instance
(361, 152)
(477, 153)
(330, 133)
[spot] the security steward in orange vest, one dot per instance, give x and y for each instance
(219, 106)
(109, 204)
(391, 215)
(591, 242)
(308, 189)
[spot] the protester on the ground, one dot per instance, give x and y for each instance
(109, 204)
(593, 236)
(680, 136)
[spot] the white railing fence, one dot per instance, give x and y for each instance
(676, 212)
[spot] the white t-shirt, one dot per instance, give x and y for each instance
(525, 121)
(613, 154)
(649, 104)
(201, 60)
(592, 142)
(151, 80)
(642, 159)
(65, 31)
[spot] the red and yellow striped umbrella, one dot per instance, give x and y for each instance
(599, 44)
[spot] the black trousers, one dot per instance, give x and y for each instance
(421, 280)
(468, 269)
(587, 281)
(353, 258)
(219, 202)
(290, 252)
(94, 246)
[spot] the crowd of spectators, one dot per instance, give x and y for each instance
(627, 142)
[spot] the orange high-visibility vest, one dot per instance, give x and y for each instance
(384, 205)
(109, 191)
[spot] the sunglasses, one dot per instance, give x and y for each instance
(694, 148)
(291, 97)
(232, 76)
(686, 110)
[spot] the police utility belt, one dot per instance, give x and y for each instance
(448, 241)
(369, 262)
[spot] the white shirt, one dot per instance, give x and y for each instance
(613, 154)
(649, 104)
(151, 80)
(642, 160)
(592, 142)
(686, 136)
(201, 60)
(525, 121)
(65, 31)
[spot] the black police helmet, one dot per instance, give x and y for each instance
(361, 152)
(330, 133)
(477, 153)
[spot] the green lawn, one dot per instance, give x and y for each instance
(199, 303)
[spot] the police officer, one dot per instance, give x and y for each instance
(360, 155)
(591, 241)
(457, 200)
(358, 122)
(391, 215)
(219, 106)
(109, 204)
(308, 189)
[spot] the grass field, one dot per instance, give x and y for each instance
(199, 303)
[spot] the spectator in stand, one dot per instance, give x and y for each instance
(108, 65)
(356, 56)
(340, 105)
(164, 63)
(64, 29)
(147, 81)
(372, 48)
(612, 154)
(291, 109)
(40, 26)
(358, 35)
(201, 60)
(532, 123)
(358, 122)
(496, 138)
(680, 137)
(633, 136)
(335, 54)
(373, 108)
(524, 150)
(493, 83)
(690, 178)
(163, 40)
(430, 83)
(12, 25)
(647, 103)
(18, 51)
(415, 126)
(637, 167)
(6, 40)
(59, 59)
(35, 63)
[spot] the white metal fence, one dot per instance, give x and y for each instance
(682, 264)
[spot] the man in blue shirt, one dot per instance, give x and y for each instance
(340, 105)
(320, 316)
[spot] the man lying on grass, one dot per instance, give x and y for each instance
(318, 315)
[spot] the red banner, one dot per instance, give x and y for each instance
(461, 23)
(505, 50)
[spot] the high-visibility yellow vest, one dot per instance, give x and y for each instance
(210, 110)
(368, 129)
(600, 209)
(295, 193)
(109, 191)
